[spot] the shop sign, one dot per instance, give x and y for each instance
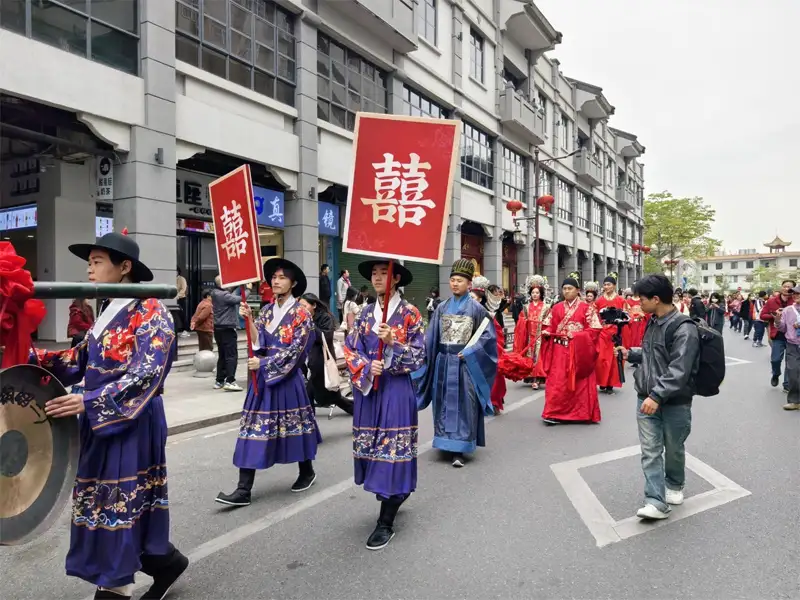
(328, 219)
(105, 179)
(191, 198)
(103, 225)
(19, 217)
(269, 207)
(399, 198)
(235, 228)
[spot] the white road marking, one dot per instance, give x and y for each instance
(603, 526)
(730, 361)
(234, 536)
(223, 432)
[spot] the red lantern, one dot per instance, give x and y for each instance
(545, 202)
(636, 247)
(646, 249)
(514, 206)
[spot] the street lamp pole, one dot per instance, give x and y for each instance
(536, 209)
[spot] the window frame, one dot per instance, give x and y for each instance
(564, 200)
(513, 163)
(477, 50)
(581, 208)
(378, 78)
(425, 10)
(597, 218)
(87, 15)
(412, 99)
(472, 135)
(280, 17)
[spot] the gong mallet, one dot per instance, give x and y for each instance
(65, 290)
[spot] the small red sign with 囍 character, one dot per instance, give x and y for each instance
(399, 199)
(235, 228)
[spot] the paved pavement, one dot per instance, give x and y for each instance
(504, 526)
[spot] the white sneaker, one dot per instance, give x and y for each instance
(674, 497)
(232, 387)
(650, 512)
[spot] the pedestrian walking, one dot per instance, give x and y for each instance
(385, 413)
(325, 288)
(607, 370)
(668, 359)
(759, 326)
(715, 312)
(771, 311)
(226, 321)
(342, 285)
(697, 305)
(278, 424)
(461, 355)
(120, 506)
(202, 322)
(789, 326)
(182, 300)
(492, 299)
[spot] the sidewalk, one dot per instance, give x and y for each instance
(192, 402)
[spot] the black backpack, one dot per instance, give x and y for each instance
(711, 359)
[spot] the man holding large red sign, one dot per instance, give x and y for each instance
(398, 208)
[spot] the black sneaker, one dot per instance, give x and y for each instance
(304, 481)
(380, 538)
(109, 595)
(166, 578)
(237, 498)
(774, 381)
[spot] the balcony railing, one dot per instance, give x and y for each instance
(626, 199)
(519, 114)
(587, 168)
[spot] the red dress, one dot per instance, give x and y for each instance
(632, 334)
(528, 336)
(571, 391)
(607, 369)
(498, 392)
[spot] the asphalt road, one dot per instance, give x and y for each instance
(503, 527)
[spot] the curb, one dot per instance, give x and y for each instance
(202, 423)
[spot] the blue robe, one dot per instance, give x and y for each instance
(278, 424)
(385, 436)
(120, 503)
(458, 389)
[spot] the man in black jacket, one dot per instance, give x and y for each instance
(665, 387)
(696, 307)
(225, 305)
(325, 289)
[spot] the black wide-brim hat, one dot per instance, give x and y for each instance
(365, 269)
(121, 244)
(300, 282)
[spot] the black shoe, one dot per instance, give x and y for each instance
(458, 461)
(774, 381)
(380, 537)
(165, 578)
(109, 595)
(237, 498)
(306, 478)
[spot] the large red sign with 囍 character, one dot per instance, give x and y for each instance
(235, 228)
(399, 198)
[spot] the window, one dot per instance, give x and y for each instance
(620, 230)
(610, 170)
(764, 263)
(749, 264)
(564, 200)
(542, 108)
(792, 262)
(581, 209)
(426, 20)
(475, 55)
(609, 224)
(734, 265)
(346, 84)
(249, 43)
(509, 79)
(705, 279)
(477, 156)
(417, 105)
(545, 183)
(563, 131)
(718, 266)
(597, 217)
(735, 278)
(515, 175)
(109, 36)
(704, 267)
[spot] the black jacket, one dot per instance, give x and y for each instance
(744, 311)
(323, 326)
(325, 288)
(667, 372)
(697, 308)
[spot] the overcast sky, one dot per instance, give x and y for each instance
(712, 89)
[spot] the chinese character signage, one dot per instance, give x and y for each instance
(235, 229)
(399, 199)
(328, 219)
(269, 207)
(19, 217)
(105, 179)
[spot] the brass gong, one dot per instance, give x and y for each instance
(38, 455)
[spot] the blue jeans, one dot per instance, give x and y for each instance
(776, 358)
(663, 432)
(758, 327)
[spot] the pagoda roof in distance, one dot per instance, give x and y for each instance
(778, 243)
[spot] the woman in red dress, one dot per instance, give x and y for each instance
(528, 331)
(607, 368)
(492, 298)
(634, 332)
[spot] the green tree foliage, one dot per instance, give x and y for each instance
(677, 228)
(770, 278)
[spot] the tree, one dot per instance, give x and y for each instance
(770, 278)
(723, 284)
(677, 228)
